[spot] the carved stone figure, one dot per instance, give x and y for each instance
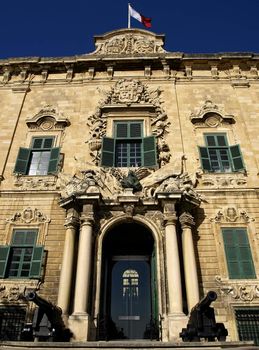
(131, 181)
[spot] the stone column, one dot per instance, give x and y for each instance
(66, 274)
(83, 272)
(174, 287)
(79, 321)
(190, 266)
(176, 318)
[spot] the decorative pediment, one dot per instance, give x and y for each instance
(48, 118)
(129, 42)
(29, 216)
(129, 95)
(210, 115)
(231, 215)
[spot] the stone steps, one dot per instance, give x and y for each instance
(124, 345)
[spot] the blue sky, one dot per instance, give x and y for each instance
(66, 28)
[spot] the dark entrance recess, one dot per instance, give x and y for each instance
(129, 297)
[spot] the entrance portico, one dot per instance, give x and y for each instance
(128, 267)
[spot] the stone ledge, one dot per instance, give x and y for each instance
(137, 344)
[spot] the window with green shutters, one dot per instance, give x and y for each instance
(217, 156)
(129, 148)
(22, 258)
(238, 253)
(41, 159)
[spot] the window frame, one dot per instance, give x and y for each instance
(25, 156)
(128, 140)
(36, 257)
(232, 152)
(148, 151)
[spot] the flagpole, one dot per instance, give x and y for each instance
(128, 15)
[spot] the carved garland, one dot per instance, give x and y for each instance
(127, 92)
(231, 214)
(246, 292)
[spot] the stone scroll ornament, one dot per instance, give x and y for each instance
(129, 44)
(127, 92)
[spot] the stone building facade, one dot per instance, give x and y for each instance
(129, 188)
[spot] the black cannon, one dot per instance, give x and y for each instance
(202, 322)
(47, 324)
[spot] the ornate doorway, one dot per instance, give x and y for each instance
(129, 298)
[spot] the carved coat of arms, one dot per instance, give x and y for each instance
(128, 91)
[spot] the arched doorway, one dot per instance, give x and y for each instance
(128, 307)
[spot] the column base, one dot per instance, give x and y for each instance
(175, 324)
(78, 323)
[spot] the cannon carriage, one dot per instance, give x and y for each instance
(202, 322)
(47, 324)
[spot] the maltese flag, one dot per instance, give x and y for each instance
(144, 20)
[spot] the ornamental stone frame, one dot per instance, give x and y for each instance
(232, 216)
(28, 218)
(158, 240)
(132, 99)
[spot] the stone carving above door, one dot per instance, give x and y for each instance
(107, 182)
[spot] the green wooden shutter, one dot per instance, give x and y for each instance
(47, 142)
(37, 142)
(4, 254)
(149, 151)
(24, 237)
(122, 130)
(36, 262)
(236, 157)
(245, 257)
(54, 160)
(205, 158)
(22, 161)
(238, 253)
(108, 152)
(231, 253)
(135, 130)
(42, 142)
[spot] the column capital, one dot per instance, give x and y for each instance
(170, 218)
(71, 222)
(87, 219)
(186, 220)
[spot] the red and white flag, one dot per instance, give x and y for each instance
(144, 20)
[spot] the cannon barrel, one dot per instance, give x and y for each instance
(207, 300)
(32, 296)
(52, 311)
(202, 322)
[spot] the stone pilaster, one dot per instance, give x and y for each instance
(190, 265)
